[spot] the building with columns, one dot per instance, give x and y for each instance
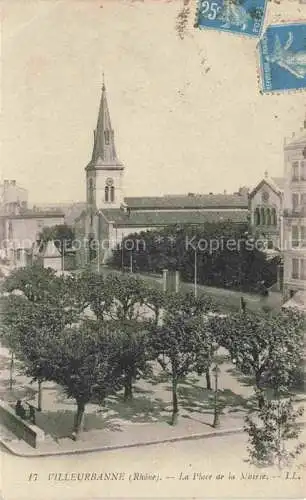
(294, 219)
(109, 216)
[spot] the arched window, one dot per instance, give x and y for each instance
(112, 194)
(90, 191)
(262, 216)
(257, 217)
(268, 217)
(106, 193)
(274, 218)
(106, 136)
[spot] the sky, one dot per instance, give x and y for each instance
(188, 115)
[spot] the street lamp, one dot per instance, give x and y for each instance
(216, 422)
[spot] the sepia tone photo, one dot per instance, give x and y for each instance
(152, 249)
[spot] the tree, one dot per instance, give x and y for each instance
(132, 344)
(48, 302)
(207, 327)
(84, 363)
(155, 300)
(265, 346)
(62, 234)
(28, 329)
(35, 282)
(128, 294)
(176, 342)
(276, 423)
(227, 255)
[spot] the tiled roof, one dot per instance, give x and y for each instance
(188, 201)
(34, 214)
(163, 218)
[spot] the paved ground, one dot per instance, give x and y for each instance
(146, 418)
(170, 463)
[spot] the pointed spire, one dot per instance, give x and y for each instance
(266, 174)
(104, 151)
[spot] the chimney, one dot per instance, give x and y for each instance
(224, 192)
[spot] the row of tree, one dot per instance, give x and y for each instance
(95, 335)
(221, 254)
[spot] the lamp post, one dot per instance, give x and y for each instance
(195, 273)
(122, 255)
(216, 422)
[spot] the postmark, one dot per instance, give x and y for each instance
(282, 56)
(237, 16)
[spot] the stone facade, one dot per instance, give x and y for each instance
(266, 206)
(294, 241)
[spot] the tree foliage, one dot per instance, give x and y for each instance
(265, 346)
(227, 256)
(275, 425)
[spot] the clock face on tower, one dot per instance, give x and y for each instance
(109, 181)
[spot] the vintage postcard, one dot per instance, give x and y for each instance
(153, 249)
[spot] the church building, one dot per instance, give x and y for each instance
(110, 216)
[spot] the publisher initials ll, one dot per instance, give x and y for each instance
(33, 476)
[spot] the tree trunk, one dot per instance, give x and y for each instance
(208, 381)
(258, 379)
(216, 422)
(128, 387)
(174, 401)
(39, 402)
(11, 370)
(78, 420)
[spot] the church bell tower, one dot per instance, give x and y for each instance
(104, 173)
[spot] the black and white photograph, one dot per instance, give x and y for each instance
(152, 249)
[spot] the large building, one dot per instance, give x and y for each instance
(294, 220)
(20, 225)
(12, 197)
(110, 216)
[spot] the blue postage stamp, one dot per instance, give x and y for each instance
(237, 16)
(282, 52)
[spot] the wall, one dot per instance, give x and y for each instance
(31, 434)
(100, 182)
(53, 262)
(271, 233)
(25, 230)
(293, 151)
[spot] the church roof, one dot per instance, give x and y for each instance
(196, 201)
(104, 151)
(164, 218)
(275, 183)
(296, 141)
